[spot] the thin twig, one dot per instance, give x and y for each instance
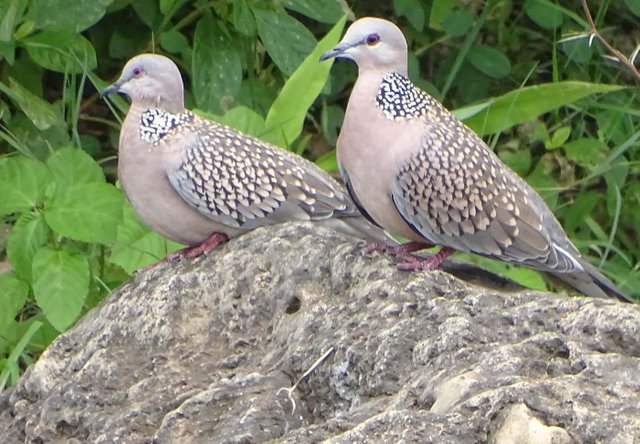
(613, 51)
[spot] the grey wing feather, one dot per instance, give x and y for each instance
(243, 182)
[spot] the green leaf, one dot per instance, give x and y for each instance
(331, 118)
(10, 374)
(440, 9)
(167, 6)
(40, 112)
(524, 276)
(519, 160)
(148, 11)
(285, 119)
(72, 166)
(287, 40)
(214, 84)
(10, 17)
(8, 52)
(586, 151)
(244, 119)
(76, 15)
(521, 105)
(578, 49)
(634, 6)
(27, 235)
(458, 23)
(490, 61)
(62, 51)
(86, 212)
(60, 284)
(412, 10)
(560, 136)
(243, 19)
(136, 245)
(13, 295)
(579, 209)
(544, 13)
(174, 41)
(542, 181)
(22, 184)
(325, 11)
(328, 161)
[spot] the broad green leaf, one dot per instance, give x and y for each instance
(174, 41)
(560, 136)
(326, 11)
(578, 50)
(287, 40)
(243, 19)
(27, 235)
(72, 166)
(440, 9)
(8, 52)
(331, 118)
(257, 94)
(62, 51)
(490, 61)
(544, 13)
(216, 66)
(76, 15)
(521, 105)
(586, 151)
(285, 119)
(412, 10)
(244, 119)
(40, 112)
(634, 6)
(518, 160)
(458, 23)
(579, 209)
(22, 184)
(136, 245)
(60, 284)
(13, 295)
(167, 6)
(148, 11)
(86, 212)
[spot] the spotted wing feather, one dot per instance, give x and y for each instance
(243, 182)
(454, 191)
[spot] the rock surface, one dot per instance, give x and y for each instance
(198, 351)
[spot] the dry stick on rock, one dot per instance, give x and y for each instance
(290, 390)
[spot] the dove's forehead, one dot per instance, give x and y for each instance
(150, 62)
(365, 26)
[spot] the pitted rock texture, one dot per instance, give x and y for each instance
(198, 351)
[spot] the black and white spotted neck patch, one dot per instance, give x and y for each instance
(156, 124)
(398, 98)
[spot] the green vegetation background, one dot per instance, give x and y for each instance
(553, 103)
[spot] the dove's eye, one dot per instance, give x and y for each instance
(372, 39)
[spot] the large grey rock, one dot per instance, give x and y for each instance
(197, 352)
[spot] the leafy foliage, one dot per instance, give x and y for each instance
(524, 75)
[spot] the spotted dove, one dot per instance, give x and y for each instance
(199, 182)
(417, 171)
